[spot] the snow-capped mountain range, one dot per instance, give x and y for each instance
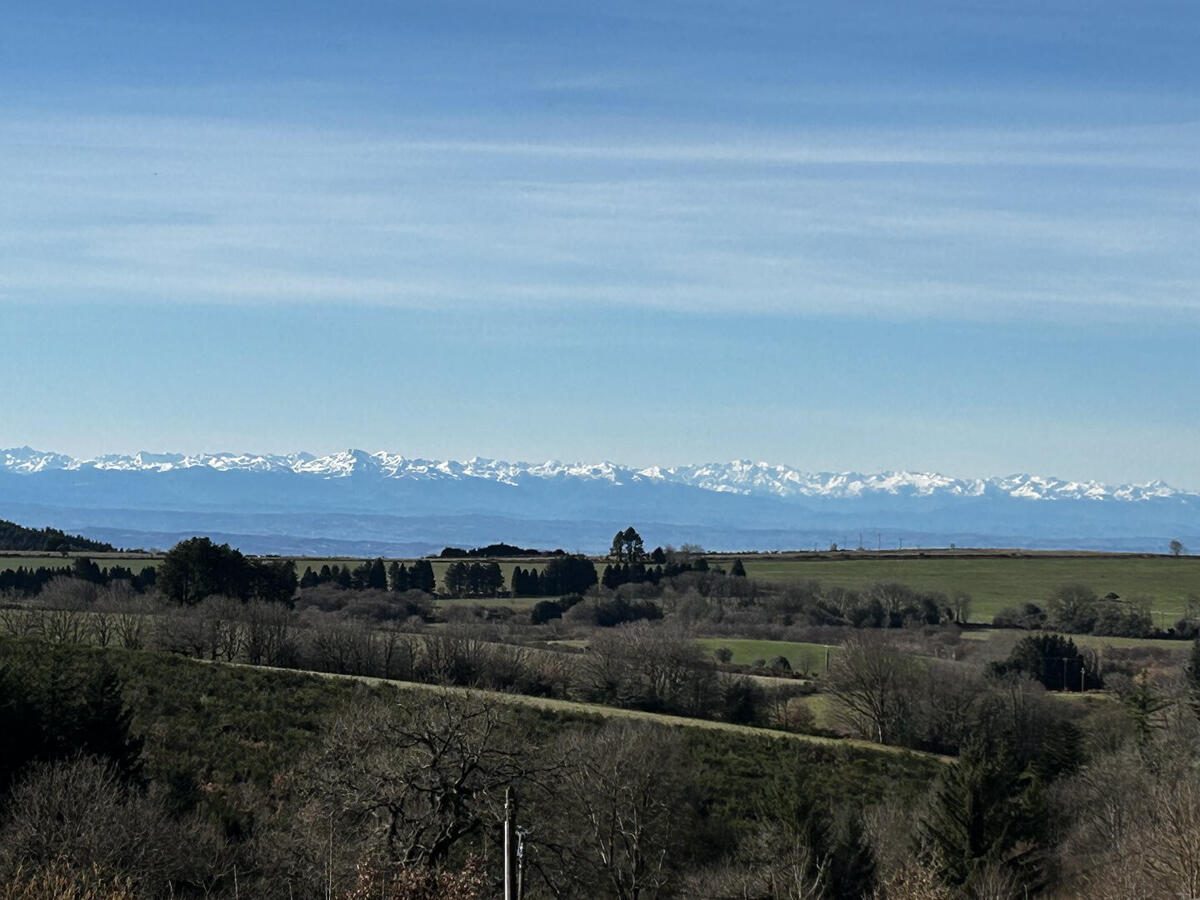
(739, 476)
(354, 502)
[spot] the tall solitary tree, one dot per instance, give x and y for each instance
(627, 547)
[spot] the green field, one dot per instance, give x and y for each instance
(1088, 641)
(103, 560)
(997, 582)
(993, 581)
(803, 657)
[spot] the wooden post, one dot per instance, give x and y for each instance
(510, 844)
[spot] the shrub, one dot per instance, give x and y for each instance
(1028, 616)
(544, 611)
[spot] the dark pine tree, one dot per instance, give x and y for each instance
(421, 576)
(377, 576)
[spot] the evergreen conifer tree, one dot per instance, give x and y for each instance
(377, 576)
(421, 577)
(984, 812)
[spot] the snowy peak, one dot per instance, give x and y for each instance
(744, 477)
(766, 479)
(27, 461)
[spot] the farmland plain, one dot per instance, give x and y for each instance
(993, 579)
(801, 656)
(997, 581)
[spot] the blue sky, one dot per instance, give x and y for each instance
(951, 236)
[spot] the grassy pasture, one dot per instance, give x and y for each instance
(803, 657)
(997, 582)
(14, 561)
(1085, 641)
(993, 582)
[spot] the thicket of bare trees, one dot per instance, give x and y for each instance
(80, 824)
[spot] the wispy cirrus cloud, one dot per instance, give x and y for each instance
(961, 222)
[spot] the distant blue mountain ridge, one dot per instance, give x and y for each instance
(357, 503)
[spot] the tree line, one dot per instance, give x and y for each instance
(48, 540)
(493, 551)
(373, 574)
(1077, 609)
(33, 580)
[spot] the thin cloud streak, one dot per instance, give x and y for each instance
(190, 209)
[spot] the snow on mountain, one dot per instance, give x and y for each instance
(27, 461)
(765, 479)
(752, 479)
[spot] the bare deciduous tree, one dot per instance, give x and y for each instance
(653, 667)
(627, 799)
(131, 622)
(270, 637)
(411, 781)
(870, 681)
(1133, 825)
(18, 618)
(77, 816)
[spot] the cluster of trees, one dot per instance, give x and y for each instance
(73, 611)
(882, 605)
(1076, 609)
(57, 705)
(559, 577)
(48, 540)
(496, 551)
(659, 669)
(373, 574)
(635, 666)
(1053, 661)
(475, 579)
(884, 694)
(32, 581)
(198, 568)
(631, 564)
